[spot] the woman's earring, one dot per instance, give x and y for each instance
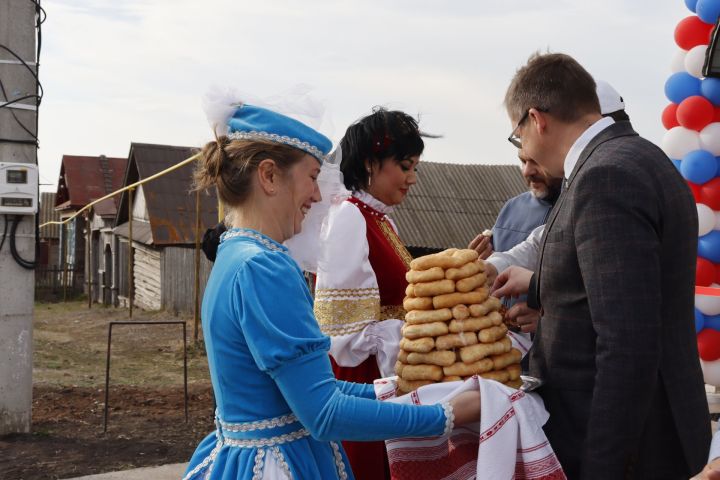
(369, 177)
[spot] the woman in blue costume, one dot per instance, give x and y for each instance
(280, 411)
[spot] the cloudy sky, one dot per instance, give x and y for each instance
(117, 72)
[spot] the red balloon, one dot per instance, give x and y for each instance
(691, 32)
(709, 193)
(695, 112)
(709, 344)
(669, 116)
(705, 272)
(697, 191)
(717, 273)
(716, 117)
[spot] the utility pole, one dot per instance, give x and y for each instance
(18, 134)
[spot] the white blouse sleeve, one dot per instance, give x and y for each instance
(347, 298)
(524, 254)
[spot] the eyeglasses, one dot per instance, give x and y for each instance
(513, 138)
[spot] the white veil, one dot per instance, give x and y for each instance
(305, 246)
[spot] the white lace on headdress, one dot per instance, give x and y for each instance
(305, 246)
(219, 104)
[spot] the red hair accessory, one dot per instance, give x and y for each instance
(381, 144)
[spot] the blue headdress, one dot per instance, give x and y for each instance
(240, 120)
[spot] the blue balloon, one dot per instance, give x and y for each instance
(709, 246)
(680, 86)
(710, 322)
(699, 166)
(677, 164)
(691, 4)
(699, 321)
(708, 10)
(710, 89)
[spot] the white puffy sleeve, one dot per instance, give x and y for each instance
(347, 298)
(524, 254)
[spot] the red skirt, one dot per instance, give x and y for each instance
(368, 460)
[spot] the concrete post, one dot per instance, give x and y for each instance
(17, 293)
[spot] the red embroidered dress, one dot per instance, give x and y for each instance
(358, 303)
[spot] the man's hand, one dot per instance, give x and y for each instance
(483, 245)
(490, 272)
(513, 282)
(710, 472)
(523, 316)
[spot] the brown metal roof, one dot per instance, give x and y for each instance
(451, 203)
(84, 179)
(170, 203)
(49, 214)
(141, 231)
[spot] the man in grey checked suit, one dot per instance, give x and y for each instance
(616, 343)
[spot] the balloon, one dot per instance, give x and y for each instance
(710, 89)
(710, 194)
(708, 10)
(695, 112)
(669, 116)
(699, 166)
(695, 189)
(706, 220)
(694, 60)
(690, 4)
(717, 272)
(680, 141)
(691, 31)
(711, 322)
(716, 117)
(677, 64)
(710, 138)
(709, 344)
(711, 372)
(704, 273)
(677, 164)
(709, 248)
(680, 86)
(699, 320)
(717, 221)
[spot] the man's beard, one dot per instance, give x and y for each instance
(549, 191)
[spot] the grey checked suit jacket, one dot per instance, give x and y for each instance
(616, 344)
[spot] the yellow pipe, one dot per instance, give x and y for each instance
(110, 195)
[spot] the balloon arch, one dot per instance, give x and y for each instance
(693, 143)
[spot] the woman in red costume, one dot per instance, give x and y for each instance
(362, 262)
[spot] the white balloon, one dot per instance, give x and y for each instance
(710, 138)
(677, 64)
(694, 60)
(706, 219)
(717, 220)
(711, 372)
(708, 304)
(679, 141)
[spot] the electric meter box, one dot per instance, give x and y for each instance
(18, 188)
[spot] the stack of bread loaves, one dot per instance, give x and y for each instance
(453, 329)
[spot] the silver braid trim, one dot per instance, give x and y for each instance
(281, 461)
(267, 442)
(342, 474)
(246, 233)
(260, 424)
(274, 137)
(209, 460)
(259, 464)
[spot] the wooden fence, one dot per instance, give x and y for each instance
(178, 278)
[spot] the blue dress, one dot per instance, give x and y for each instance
(278, 403)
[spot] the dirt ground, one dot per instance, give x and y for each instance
(146, 423)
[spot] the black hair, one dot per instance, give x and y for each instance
(375, 138)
